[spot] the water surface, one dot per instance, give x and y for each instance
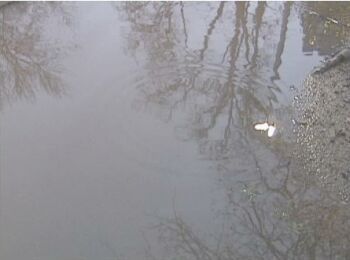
(127, 130)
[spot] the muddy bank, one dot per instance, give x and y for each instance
(322, 129)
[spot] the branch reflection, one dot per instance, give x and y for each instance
(28, 59)
(274, 210)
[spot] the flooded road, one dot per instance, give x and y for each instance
(168, 130)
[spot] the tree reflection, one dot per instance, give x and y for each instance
(292, 220)
(226, 92)
(28, 61)
(274, 210)
(282, 40)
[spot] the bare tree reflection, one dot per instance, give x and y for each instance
(274, 210)
(258, 18)
(282, 40)
(28, 63)
(184, 22)
(278, 214)
(153, 28)
(210, 29)
(197, 79)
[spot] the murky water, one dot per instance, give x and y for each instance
(129, 131)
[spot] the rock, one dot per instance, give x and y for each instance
(341, 56)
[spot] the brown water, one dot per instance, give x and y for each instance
(127, 130)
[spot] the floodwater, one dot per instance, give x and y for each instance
(131, 131)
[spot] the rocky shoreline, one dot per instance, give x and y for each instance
(323, 130)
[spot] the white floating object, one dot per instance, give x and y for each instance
(266, 127)
(271, 130)
(262, 127)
